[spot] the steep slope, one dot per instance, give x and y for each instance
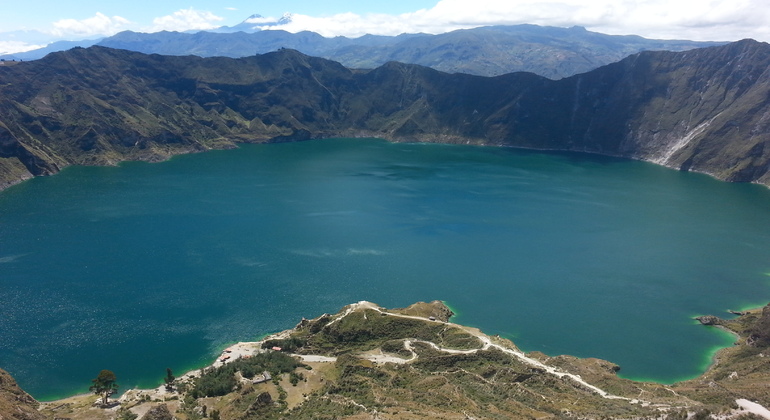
(704, 110)
(100, 106)
(15, 404)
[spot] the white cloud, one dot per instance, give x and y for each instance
(99, 24)
(186, 20)
(719, 20)
(702, 20)
(261, 20)
(11, 47)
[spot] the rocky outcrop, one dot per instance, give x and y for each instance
(15, 404)
(160, 412)
(705, 110)
(709, 320)
(435, 310)
(759, 335)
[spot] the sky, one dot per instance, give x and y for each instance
(34, 23)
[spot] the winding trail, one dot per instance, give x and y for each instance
(247, 348)
(487, 344)
(743, 404)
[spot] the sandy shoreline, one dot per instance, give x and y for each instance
(232, 352)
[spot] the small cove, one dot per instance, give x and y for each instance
(143, 266)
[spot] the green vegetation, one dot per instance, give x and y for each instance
(105, 384)
(222, 380)
(396, 347)
(488, 51)
(290, 344)
(121, 105)
(295, 377)
(440, 383)
(126, 414)
(369, 329)
(169, 379)
(214, 382)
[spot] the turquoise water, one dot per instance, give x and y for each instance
(146, 266)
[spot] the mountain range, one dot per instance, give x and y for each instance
(487, 51)
(705, 110)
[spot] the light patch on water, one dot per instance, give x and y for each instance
(331, 213)
(246, 262)
(315, 253)
(335, 253)
(353, 251)
(11, 258)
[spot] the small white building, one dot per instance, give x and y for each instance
(264, 377)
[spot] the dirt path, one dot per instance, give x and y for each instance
(753, 408)
(487, 344)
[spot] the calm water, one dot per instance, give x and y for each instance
(146, 266)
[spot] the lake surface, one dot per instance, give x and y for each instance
(146, 266)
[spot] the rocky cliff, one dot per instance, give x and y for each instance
(15, 404)
(704, 110)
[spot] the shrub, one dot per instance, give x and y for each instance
(219, 381)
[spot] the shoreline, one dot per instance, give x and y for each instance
(141, 401)
(247, 348)
(462, 141)
(236, 350)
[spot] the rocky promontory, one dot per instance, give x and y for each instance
(710, 320)
(369, 362)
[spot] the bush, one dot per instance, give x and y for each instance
(219, 381)
(290, 344)
(295, 377)
(126, 414)
(215, 382)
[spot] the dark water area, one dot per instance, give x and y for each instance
(144, 266)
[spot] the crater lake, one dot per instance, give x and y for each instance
(145, 266)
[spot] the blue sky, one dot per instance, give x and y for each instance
(39, 14)
(44, 21)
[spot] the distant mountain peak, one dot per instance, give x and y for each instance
(286, 18)
(254, 23)
(258, 19)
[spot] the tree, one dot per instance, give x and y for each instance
(169, 379)
(104, 385)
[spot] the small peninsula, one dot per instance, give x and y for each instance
(368, 362)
